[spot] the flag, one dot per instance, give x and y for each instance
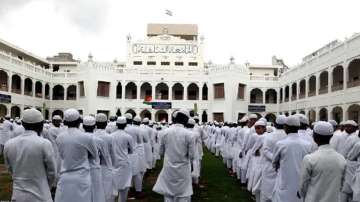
(168, 12)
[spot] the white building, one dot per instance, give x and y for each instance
(167, 68)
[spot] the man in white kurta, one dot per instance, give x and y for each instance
(268, 171)
(123, 145)
(322, 171)
(288, 157)
(76, 148)
(30, 161)
(174, 181)
(148, 143)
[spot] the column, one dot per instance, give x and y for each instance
(22, 85)
(283, 97)
(65, 92)
(329, 114)
(51, 91)
(317, 84)
(200, 94)
(306, 87)
(77, 91)
(344, 110)
(33, 88)
(43, 90)
(152, 111)
(123, 87)
(169, 115)
(153, 87)
(345, 77)
(170, 91)
(297, 90)
(263, 93)
(290, 92)
(10, 81)
(138, 85)
(185, 90)
(330, 79)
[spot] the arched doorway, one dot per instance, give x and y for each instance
(205, 92)
(193, 92)
(38, 89)
(146, 91)
(28, 87)
(323, 114)
(131, 91)
(270, 117)
(293, 91)
(270, 96)
(354, 112)
(324, 82)
(3, 81)
(132, 112)
(71, 92)
(204, 117)
(145, 114)
(312, 86)
(338, 78)
(47, 91)
(287, 93)
(337, 114)
(354, 73)
(302, 89)
(3, 110)
(16, 84)
(119, 91)
(58, 92)
(178, 91)
(161, 115)
(256, 96)
(312, 115)
(161, 92)
(15, 112)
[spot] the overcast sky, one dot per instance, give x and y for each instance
(249, 30)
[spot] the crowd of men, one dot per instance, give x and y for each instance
(93, 159)
(96, 159)
(290, 160)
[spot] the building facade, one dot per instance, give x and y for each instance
(166, 71)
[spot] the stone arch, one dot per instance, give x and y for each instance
(47, 91)
(162, 91)
(145, 114)
(270, 96)
(16, 84)
(193, 92)
(161, 115)
(323, 114)
(15, 111)
(71, 92)
(119, 90)
(205, 92)
(312, 115)
(338, 78)
(28, 87)
(354, 112)
(354, 73)
(302, 90)
(204, 117)
(58, 92)
(337, 114)
(4, 78)
(177, 91)
(131, 91)
(3, 110)
(146, 91)
(58, 112)
(293, 91)
(270, 117)
(281, 94)
(287, 93)
(324, 82)
(132, 112)
(312, 86)
(256, 96)
(38, 89)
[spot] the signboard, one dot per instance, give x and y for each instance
(5, 98)
(165, 48)
(256, 108)
(161, 105)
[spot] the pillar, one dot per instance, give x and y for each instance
(330, 79)
(123, 87)
(33, 88)
(138, 85)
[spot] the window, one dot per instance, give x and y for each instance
(219, 117)
(165, 63)
(219, 91)
(193, 64)
(241, 91)
(81, 88)
(137, 62)
(151, 63)
(179, 63)
(103, 89)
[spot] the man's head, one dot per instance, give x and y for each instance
(181, 117)
(33, 120)
(145, 121)
(72, 118)
(292, 124)
(280, 122)
(304, 121)
(101, 121)
(112, 118)
(121, 122)
(333, 123)
(252, 119)
(260, 127)
(323, 132)
(89, 124)
(350, 126)
(129, 118)
(56, 120)
(191, 123)
(243, 121)
(137, 121)
(197, 120)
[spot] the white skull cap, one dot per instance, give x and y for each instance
(253, 116)
(101, 117)
(350, 122)
(333, 123)
(303, 119)
(244, 119)
(269, 129)
(137, 119)
(281, 120)
(32, 116)
(182, 111)
(128, 116)
(89, 121)
(191, 122)
(260, 123)
(121, 120)
(56, 117)
(71, 115)
(323, 128)
(151, 122)
(145, 120)
(263, 119)
(342, 123)
(293, 120)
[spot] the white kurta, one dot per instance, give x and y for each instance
(30, 160)
(123, 145)
(289, 154)
(321, 175)
(175, 177)
(354, 156)
(268, 172)
(75, 180)
(134, 157)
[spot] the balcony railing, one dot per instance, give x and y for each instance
(302, 96)
(323, 90)
(28, 93)
(351, 84)
(311, 93)
(337, 87)
(293, 97)
(286, 99)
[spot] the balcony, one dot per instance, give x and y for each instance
(337, 87)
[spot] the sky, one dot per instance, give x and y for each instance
(249, 30)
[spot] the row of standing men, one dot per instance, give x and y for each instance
(292, 160)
